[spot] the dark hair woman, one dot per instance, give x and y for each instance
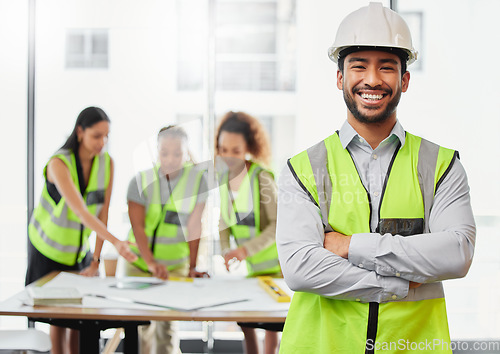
(74, 202)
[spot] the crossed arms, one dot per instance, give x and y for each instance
(373, 267)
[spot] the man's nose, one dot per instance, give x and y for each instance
(372, 77)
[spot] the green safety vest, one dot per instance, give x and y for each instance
(316, 324)
(243, 218)
(54, 229)
(166, 225)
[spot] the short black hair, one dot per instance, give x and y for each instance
(402, 54)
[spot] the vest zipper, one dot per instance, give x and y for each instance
(371, 330)
(372, 325)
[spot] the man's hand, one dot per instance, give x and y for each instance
(337, 243)
(158, 270)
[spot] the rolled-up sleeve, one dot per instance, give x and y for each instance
(307, 266)
(444, 253)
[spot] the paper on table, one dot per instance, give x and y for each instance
(259, 299)
(184, 296)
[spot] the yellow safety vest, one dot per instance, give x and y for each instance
(166, 225)
(54, 229)
(242, 216)
(316, 324)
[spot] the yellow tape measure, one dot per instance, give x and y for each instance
(273, 289)
(185, 279)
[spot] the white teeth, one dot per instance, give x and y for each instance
(371, 97)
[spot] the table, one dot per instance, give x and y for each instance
(91, 320)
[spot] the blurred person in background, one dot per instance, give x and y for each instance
(248, 208)
(165, 206)
(75, 201)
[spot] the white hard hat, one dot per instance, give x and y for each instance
(373, 26)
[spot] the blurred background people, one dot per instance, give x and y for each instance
(248, 208)
(165, 206)
(74, 202)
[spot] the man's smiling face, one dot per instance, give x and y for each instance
(372, 84)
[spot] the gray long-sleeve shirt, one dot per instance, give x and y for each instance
(379, 267)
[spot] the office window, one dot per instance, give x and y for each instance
(86, 48)
(192, 42)
(415, 21)
(255, 45)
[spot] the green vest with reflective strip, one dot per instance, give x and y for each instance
(242, 216)
(54, 229)
(166, 225)
(316, 324)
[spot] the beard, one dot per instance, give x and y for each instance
(363, 118)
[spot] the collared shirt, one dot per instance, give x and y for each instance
(379, 267)
(372, 164)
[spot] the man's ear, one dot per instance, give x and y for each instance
(340, 80)
(405, 81)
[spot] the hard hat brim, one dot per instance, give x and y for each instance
(335, 53)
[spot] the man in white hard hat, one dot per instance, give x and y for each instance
(373, 218)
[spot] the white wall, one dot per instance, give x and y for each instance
(13, 89)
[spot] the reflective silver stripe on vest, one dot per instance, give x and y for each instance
(250, 207)
(241, 240)
(186, 211)
(426, 167)
(189, 192)
(172, 262)
(256, 171)
(153, 195)
(258, 267)
(61, 220)
(101, 180)
(52, 243)
(101, 173)
(164, 240)
(319, 162)
(149, 192)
